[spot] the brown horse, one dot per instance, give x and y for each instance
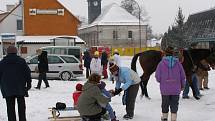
(150, 59)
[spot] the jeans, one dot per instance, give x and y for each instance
(110, 111)
(195, 85)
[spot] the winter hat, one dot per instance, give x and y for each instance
(11, 49)
(113, 67)
(116, 52)
(94, 78)
(96, 53)
(169, 51)
(102, 85)
(79, 87)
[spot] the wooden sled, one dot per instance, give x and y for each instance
(55, 115)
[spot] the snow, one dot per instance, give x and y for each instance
(113, 14)
(148, 110)
(46, 39)
(109, 16)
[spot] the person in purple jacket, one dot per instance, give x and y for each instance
(171, 76)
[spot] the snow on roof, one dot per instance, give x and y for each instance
(67, 5)
(45, 39)
(113, 14)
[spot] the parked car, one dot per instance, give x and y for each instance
(64, 67)
(64, 50)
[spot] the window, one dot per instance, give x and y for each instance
(129, 34)
(115, 35)
(75, 52)
(19, 25)
(54, 59)
(69, 59)
(34, 60)
(24, 50)
(48, 50)
(59, 51)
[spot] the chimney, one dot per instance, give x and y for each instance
(10, 7)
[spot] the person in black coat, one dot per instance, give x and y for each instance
(42, 68)
(104, 62)
(15, 81)
(87, 59)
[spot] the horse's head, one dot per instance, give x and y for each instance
(211, 60)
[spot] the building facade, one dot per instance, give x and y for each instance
(114, 27)
(48, 17)
(12, 20)
(34, 20)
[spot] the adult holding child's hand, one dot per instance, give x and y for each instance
(130, 81)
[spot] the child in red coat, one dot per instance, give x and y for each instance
(76, 94)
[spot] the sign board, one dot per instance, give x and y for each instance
(35, 11)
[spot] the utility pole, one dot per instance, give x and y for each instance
(139, 25)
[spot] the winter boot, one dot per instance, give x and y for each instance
(173, 116)
(164, 117)
(114, 120)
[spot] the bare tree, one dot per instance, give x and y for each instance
(134, 8)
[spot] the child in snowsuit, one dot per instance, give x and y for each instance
(171, 76)
(108, 106)
(76, 94)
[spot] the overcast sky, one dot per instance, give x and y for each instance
(162, 12)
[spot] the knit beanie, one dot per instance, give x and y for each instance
(79, 87)
(169, 51)
(113, 67)
(11, 49)
(102, 85)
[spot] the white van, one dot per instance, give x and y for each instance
(64, 50)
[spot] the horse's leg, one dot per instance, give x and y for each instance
(143, 85)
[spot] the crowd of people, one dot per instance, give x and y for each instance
(92, 99)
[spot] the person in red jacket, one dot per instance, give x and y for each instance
(76, 94)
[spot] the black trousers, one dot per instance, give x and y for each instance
(170, 101)
(87, 72)
(131, 99)
(11, 112)
(42, 76)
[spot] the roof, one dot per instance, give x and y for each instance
(2, 15)
(8, 13)
(211, 9)
(67, 7)
(113, 14)
(44, 39)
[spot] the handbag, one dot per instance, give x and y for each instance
(60, 106)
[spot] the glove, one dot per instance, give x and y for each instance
(117, 91)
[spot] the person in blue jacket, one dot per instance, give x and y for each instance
(130, 81)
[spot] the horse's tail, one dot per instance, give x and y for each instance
(134, 60)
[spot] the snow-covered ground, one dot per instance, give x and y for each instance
(146, 110)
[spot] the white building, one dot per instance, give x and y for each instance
(12, 20)
(114, 27)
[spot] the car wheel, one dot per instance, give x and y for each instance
(65, 76)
